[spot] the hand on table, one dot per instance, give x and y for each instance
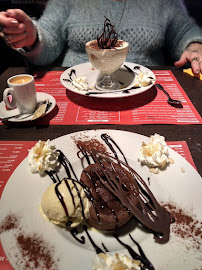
(192, 54)
(17, 28)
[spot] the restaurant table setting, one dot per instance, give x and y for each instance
(69, 109)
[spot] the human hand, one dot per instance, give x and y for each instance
(192, 54)
(17, 28)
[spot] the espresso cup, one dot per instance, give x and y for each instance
(23, 93)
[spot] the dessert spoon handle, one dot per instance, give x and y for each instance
(170, 100)
(17, 116)
(125, 91)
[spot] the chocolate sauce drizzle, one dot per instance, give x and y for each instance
(109, 37)
(74, 232)
(73, 71)
(107, 140)
(142, 257)
(61, 199)
(145, 263)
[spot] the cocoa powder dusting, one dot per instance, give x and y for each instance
(89, 144)
(186, 226)
(9, 223)
(36, 252)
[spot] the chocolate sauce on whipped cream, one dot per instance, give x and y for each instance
(142, 257)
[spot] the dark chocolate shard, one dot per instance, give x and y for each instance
(109, 37)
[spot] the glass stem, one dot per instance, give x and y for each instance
(107, 81)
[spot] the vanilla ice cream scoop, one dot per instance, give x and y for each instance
(155, 153)
(65, 203)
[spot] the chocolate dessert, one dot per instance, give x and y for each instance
(109, 175)
(116, 192)
(106, 211)
(107, 54)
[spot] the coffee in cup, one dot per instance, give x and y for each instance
(20, 79)
(23, 93)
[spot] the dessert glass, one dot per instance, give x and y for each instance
(107, 61)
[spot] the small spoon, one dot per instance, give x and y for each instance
(22, 116)
(170, 100)
(130, 70)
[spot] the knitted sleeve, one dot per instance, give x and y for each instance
(51, 34)
(181, 29)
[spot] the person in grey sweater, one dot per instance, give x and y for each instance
(154, 30)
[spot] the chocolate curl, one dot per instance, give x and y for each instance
(109, 37)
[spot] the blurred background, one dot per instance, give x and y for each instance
(34, 8)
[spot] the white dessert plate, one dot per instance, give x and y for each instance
(23, 192)
(4, 113)
(122, 75)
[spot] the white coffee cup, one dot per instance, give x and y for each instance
(23, 92)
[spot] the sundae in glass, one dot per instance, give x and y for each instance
(107, 54)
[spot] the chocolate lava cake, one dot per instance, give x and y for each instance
(106, 211)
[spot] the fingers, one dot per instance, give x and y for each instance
(16, 37)
(6, 23)
(182, 61)
(6, 20)
(17, 29)
(18, 44)
(18, 15)
(192, 54)
(196, 66)
(13, 21)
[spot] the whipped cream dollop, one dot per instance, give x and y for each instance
(142, 80)
(114, 262)
(81, 83)
(155, 153)
(43, 157)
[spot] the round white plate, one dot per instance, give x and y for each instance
(122, 75)
(8, 113)
(23, 192)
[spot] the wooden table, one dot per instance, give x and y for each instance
(189, 133)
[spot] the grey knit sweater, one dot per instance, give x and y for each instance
(153, 29)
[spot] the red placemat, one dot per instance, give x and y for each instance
(150, 107)
(13, 153)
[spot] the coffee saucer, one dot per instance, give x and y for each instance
(4, 113)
